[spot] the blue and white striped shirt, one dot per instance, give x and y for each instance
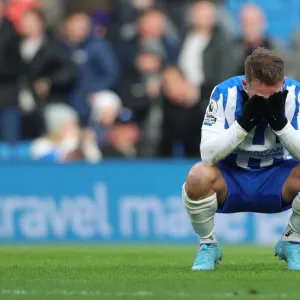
(261, 147)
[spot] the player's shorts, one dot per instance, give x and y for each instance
(256, 190)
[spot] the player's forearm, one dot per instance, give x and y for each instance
(217, 146)
(290, 138)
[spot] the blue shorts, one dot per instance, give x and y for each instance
(256, 190)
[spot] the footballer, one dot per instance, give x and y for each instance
(250, 150)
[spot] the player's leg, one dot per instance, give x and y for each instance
(203, 189)
(288, 248)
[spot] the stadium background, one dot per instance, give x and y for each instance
(104, 195)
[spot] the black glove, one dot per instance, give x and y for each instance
(275, 111)
(253, 111)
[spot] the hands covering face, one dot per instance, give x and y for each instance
(257, 108)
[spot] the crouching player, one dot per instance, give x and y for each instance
(251, 124)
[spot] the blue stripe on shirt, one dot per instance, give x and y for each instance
(225, 98)
(239, 105)
(277, 161)
(216, 94)
(254, 163)
(231, 159)
(295, 117)
(259, 134)
(226, 125)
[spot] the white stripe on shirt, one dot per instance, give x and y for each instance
(231, 105)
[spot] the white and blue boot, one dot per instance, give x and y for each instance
(208, 255)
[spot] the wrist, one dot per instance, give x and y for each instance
(241, 132)
(286, 128)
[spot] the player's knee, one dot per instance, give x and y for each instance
(199, 182)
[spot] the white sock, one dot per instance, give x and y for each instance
(202, 214)
(292, 233)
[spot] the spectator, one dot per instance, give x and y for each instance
(64, 140)
(124, 137)
(53, 10)
(16, 8)
(106, 107)
(95, 60)
(152, 25)
(10, 67)
(48, 74)
(182, 120)
(204, 61)
(125, 14)
(100, 23)
(205, 53)
(178, 11)
(253, 26)
(141, 86)
(140, 91)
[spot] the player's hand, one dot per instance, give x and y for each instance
(253, 111)
(275, 110)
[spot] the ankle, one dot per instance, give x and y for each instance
(290, 235)
(209, 240)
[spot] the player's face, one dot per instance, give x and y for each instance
(259, 88)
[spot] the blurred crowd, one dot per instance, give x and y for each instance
(130, 81)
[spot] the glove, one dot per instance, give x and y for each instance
(253, 111)
(275, 110)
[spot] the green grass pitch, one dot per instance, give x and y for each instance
(141, 272)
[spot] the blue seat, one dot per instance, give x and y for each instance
(19, 151)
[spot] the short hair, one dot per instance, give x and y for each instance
(264, 65)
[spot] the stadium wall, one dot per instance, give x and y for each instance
(138, 201)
